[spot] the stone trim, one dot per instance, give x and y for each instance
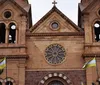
(91, 55)
(59, 75)
(9, 79)
(8, 47)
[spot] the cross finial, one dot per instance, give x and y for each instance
(54, 2)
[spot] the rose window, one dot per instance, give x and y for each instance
(55, 54)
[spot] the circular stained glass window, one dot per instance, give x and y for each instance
(55, 54)
(7, 14)
(54, 25)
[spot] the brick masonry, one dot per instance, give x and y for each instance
(75, 76)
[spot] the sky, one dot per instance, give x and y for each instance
(41, 7)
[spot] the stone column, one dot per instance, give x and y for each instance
(7, 35)
(16, 35)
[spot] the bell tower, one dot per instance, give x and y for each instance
(89, 21)
(15, 20)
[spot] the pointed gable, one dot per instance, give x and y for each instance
(43, 25)
(23, 6)
(15, 3)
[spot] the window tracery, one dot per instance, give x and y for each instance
(8, 33)
(55, 54)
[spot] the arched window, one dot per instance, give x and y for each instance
(0, 83)
(12, 33)
(97, 30)
(55, 82)
(1, 71)
(2, 32)
(8, 83)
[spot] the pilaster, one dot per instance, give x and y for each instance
(87, 28)
(22, 72)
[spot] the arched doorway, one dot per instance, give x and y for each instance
(8, 83)
(55, 82)
(55, 79)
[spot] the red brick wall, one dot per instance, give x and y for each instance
(75, 76)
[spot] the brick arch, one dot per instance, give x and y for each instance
(9, 79)
(58, 75)
(14, 23)
(1, 80)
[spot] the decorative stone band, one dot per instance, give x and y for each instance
(52, 75)
(57, 34)
(14, 56)
(91, 55)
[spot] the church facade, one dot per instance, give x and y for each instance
(54, 50)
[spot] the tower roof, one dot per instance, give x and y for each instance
(85, 3)
(24, 4)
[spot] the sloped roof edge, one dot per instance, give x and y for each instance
(91, 4)
(55, 9)
(24, 4)
(13, 1)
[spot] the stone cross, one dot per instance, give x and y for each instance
(54, 2)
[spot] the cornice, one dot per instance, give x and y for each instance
(57, 34)
(91, 55)
(14, 56)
